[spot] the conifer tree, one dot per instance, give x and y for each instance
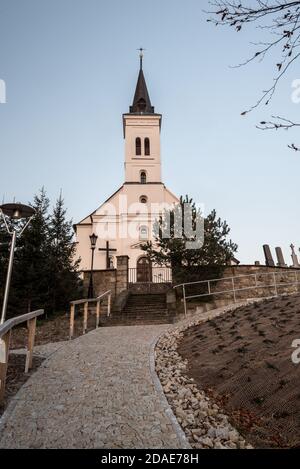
(44, 271)
(212, 256)
(30, 280)
(63, 275)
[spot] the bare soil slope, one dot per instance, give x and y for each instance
(243, 360)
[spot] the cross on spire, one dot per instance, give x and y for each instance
(141, 49)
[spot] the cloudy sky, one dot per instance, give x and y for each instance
(70, 68)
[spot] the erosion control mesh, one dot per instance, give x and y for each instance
(243, 360)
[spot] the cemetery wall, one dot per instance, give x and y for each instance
(245, 281)
(258, 281)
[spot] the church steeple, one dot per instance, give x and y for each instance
(142, 137)
(141, 101)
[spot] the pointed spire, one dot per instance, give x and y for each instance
(141, 101)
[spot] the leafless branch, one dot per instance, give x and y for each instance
(278, 122)
(281, 19)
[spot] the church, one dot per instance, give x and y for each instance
(125, 220)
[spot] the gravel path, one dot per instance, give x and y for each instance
(98, 391)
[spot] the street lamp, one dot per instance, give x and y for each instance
(93, 239)
(14, 212)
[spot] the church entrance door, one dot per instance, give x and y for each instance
(143, 270)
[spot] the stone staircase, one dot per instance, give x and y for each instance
(140, 309)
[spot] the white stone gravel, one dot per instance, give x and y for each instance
(204, 423)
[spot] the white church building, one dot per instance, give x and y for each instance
(125, 219)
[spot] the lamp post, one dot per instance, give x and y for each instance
(14, 212)
(93, 239)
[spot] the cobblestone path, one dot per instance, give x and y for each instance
(97, 391)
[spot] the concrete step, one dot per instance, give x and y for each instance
(163, 314)
(147, 297)
(142, 322)
(141, 309)
(146, 300)
(146, 305)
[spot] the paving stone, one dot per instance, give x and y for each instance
(94, 392)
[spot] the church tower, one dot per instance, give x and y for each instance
(125, 220)
(142, 136)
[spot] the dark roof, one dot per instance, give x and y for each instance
(141, 101)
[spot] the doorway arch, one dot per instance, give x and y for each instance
(143, 270)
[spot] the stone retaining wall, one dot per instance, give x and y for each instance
(251, 281)
(264, 280)
(115, 280)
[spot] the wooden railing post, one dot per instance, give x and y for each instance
(4, 352)
(72, 318)
(5, 331)
(97, 313)
(85, 303)
(85, 316)
(31, 336)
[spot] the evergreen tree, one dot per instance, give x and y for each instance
(63, 274)
(4, 253)
(30, 282)
(216, 250)
(44, 271)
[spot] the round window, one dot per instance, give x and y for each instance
(143, 199)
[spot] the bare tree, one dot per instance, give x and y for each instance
(280, 19)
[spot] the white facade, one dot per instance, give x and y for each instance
(126, 218)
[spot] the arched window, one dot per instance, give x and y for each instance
(138, 146)
(143, 177)
(143, 232)
(147, 147)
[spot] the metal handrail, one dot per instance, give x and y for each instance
(5, 333)
(238, 276)
(272, 285)
(235, 290)
(86, 303)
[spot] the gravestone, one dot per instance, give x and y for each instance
(294, 257)
(268, 256)
(280, 257)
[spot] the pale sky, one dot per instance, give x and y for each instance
(70, 68)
